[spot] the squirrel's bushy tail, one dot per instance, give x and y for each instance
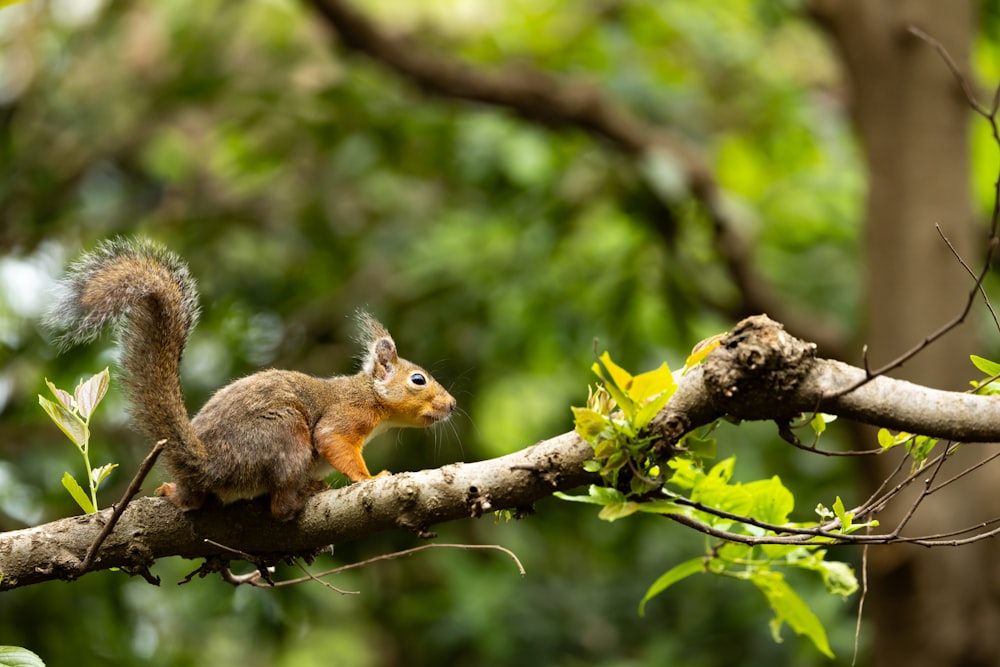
(148, 293)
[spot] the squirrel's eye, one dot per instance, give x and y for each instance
(418, 379)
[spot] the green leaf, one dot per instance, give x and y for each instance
(616, 461)
(596, 495)
(616, 374)
(98, 474)
(605, 495)
(15, 656)
(687, 474)
(89, 394)
(733, 499)
(776, 551)
(615, 505)
(846, 520)
(671, 577)
(589, 424)
(701, 447)
(920, 448)
(64, 397)
(819, 421)
(649, 410)
(886, 440)
(615, 511)
(605, 448)
(590, 500)
(772, 502)
(702, 349)
(78, 493)
(715, 491)
(616, 382)
(663, 507)
(838, 578)
(641, 485)
(789, 608)
(985, 365)
(730, 553)
(723, 470)
(67, 422)
(646, 386)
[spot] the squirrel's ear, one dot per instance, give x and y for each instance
(380, 349)
(381, 358)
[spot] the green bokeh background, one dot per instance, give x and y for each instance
(301, 183)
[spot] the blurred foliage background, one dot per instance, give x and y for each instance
(301, 183)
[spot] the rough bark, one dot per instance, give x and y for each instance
(153, 528)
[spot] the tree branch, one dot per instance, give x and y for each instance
(559, 102)
(153, 528)
(758, 371)
(761, 372)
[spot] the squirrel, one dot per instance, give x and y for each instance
(275, 432)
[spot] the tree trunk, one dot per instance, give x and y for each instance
(941, 606)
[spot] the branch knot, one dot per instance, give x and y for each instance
(756, 367)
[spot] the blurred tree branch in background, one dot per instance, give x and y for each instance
(563, 102)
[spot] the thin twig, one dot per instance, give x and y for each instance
(820, 531)
(807, 537)
(788, 435)
(928, 481)
(251, 578)
(130, 492)
(982, 292)
(250, 558)
(861, 602)
(958, 531)
(407, 552)
(877, 502)
(326, 584)
(970, 469)
(927, 542)
(963, 81)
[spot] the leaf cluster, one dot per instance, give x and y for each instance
(638, 477)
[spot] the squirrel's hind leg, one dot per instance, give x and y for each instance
(181, 496)
(285, 503)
